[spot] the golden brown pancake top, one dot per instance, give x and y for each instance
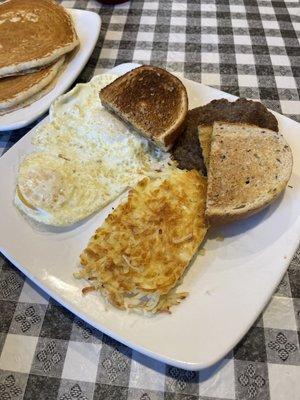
(32, 30)
(11, 86)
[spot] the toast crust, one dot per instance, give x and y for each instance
(150, 99)
(226, 218)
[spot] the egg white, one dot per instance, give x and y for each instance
(85, 157)
(60, 192)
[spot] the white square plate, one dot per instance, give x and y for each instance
(87, 25)
(229, 286)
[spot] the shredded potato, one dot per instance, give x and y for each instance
(144, 246)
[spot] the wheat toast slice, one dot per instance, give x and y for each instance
(187, 151)
(151, 100)
(248, 169)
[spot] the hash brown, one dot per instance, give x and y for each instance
(141, 251)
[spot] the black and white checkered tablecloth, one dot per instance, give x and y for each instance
(249, 48)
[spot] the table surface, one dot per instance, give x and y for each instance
(250, 49)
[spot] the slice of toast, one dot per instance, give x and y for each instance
(248, 169)
(150, 99)
(186, 150)
(240, 111)
(205, 137)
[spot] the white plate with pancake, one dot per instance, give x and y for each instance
(87, 25)
(228, 287)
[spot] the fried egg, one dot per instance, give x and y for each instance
(84, 158)
(81, 128)
(60, 192)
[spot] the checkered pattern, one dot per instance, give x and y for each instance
(48, 353)
(249, 48)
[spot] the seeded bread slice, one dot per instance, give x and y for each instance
(205, 137)
(248, 169)
(186, 150)
(150, 99)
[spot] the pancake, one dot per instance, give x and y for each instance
(33, 34)
(68, 57)
(15, 90)
(25, 71)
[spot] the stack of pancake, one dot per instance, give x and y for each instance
(35, 39)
